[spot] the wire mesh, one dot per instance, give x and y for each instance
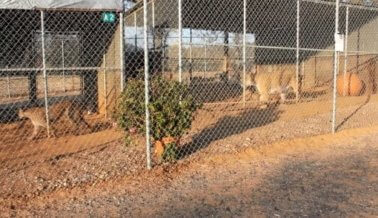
(358, 67)
(75, 141)
(258, 71)
(212, 57)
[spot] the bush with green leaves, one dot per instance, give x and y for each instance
(170, 153)
(171, 108)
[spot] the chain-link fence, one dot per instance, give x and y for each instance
(208, 76)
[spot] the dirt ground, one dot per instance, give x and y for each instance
(328, 175)
(53, 176)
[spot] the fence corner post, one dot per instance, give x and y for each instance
(45, 72)
(146, 84)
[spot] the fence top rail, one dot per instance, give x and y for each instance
(139, 6)
(342, 4)
(59, 69)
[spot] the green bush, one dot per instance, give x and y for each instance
(170, 153)
(171, 108)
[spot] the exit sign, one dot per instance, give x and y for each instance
(108, 17)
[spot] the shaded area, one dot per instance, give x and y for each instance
(230, 125)
(369, 85)
(289, 183)
(341, 186)
(354, 112)
(212, 90)
(311, 172)
(21, 49)
(299, 184)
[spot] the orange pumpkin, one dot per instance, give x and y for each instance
(352, 84)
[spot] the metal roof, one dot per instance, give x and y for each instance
(62, 4)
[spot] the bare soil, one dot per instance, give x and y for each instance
(230, 164)
(328, 175)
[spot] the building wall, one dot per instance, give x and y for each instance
(362, 42)
(109, 80)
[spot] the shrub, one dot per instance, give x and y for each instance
(170, 152)
(171, 109)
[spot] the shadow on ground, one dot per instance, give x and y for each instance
(230, 125)
(347, 118)
(336, 187)
(307, 187)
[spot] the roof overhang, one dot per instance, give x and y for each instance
(62, 4)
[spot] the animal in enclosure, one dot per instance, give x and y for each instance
(271, 82)
(73, 112)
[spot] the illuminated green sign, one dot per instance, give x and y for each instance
(108, 17)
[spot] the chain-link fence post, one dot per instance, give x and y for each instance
(180, 39)
(191, 54)
(136, 33)
(153, 22)
(8, 86)
(346, 48)
(146, 83)
(335, 67)
(244, 48)
(205, 55)
(121, 48)
(105, 88)
(298, 44)
(45, 72)
(63, 66)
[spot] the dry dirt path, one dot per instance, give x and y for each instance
(328, 175)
